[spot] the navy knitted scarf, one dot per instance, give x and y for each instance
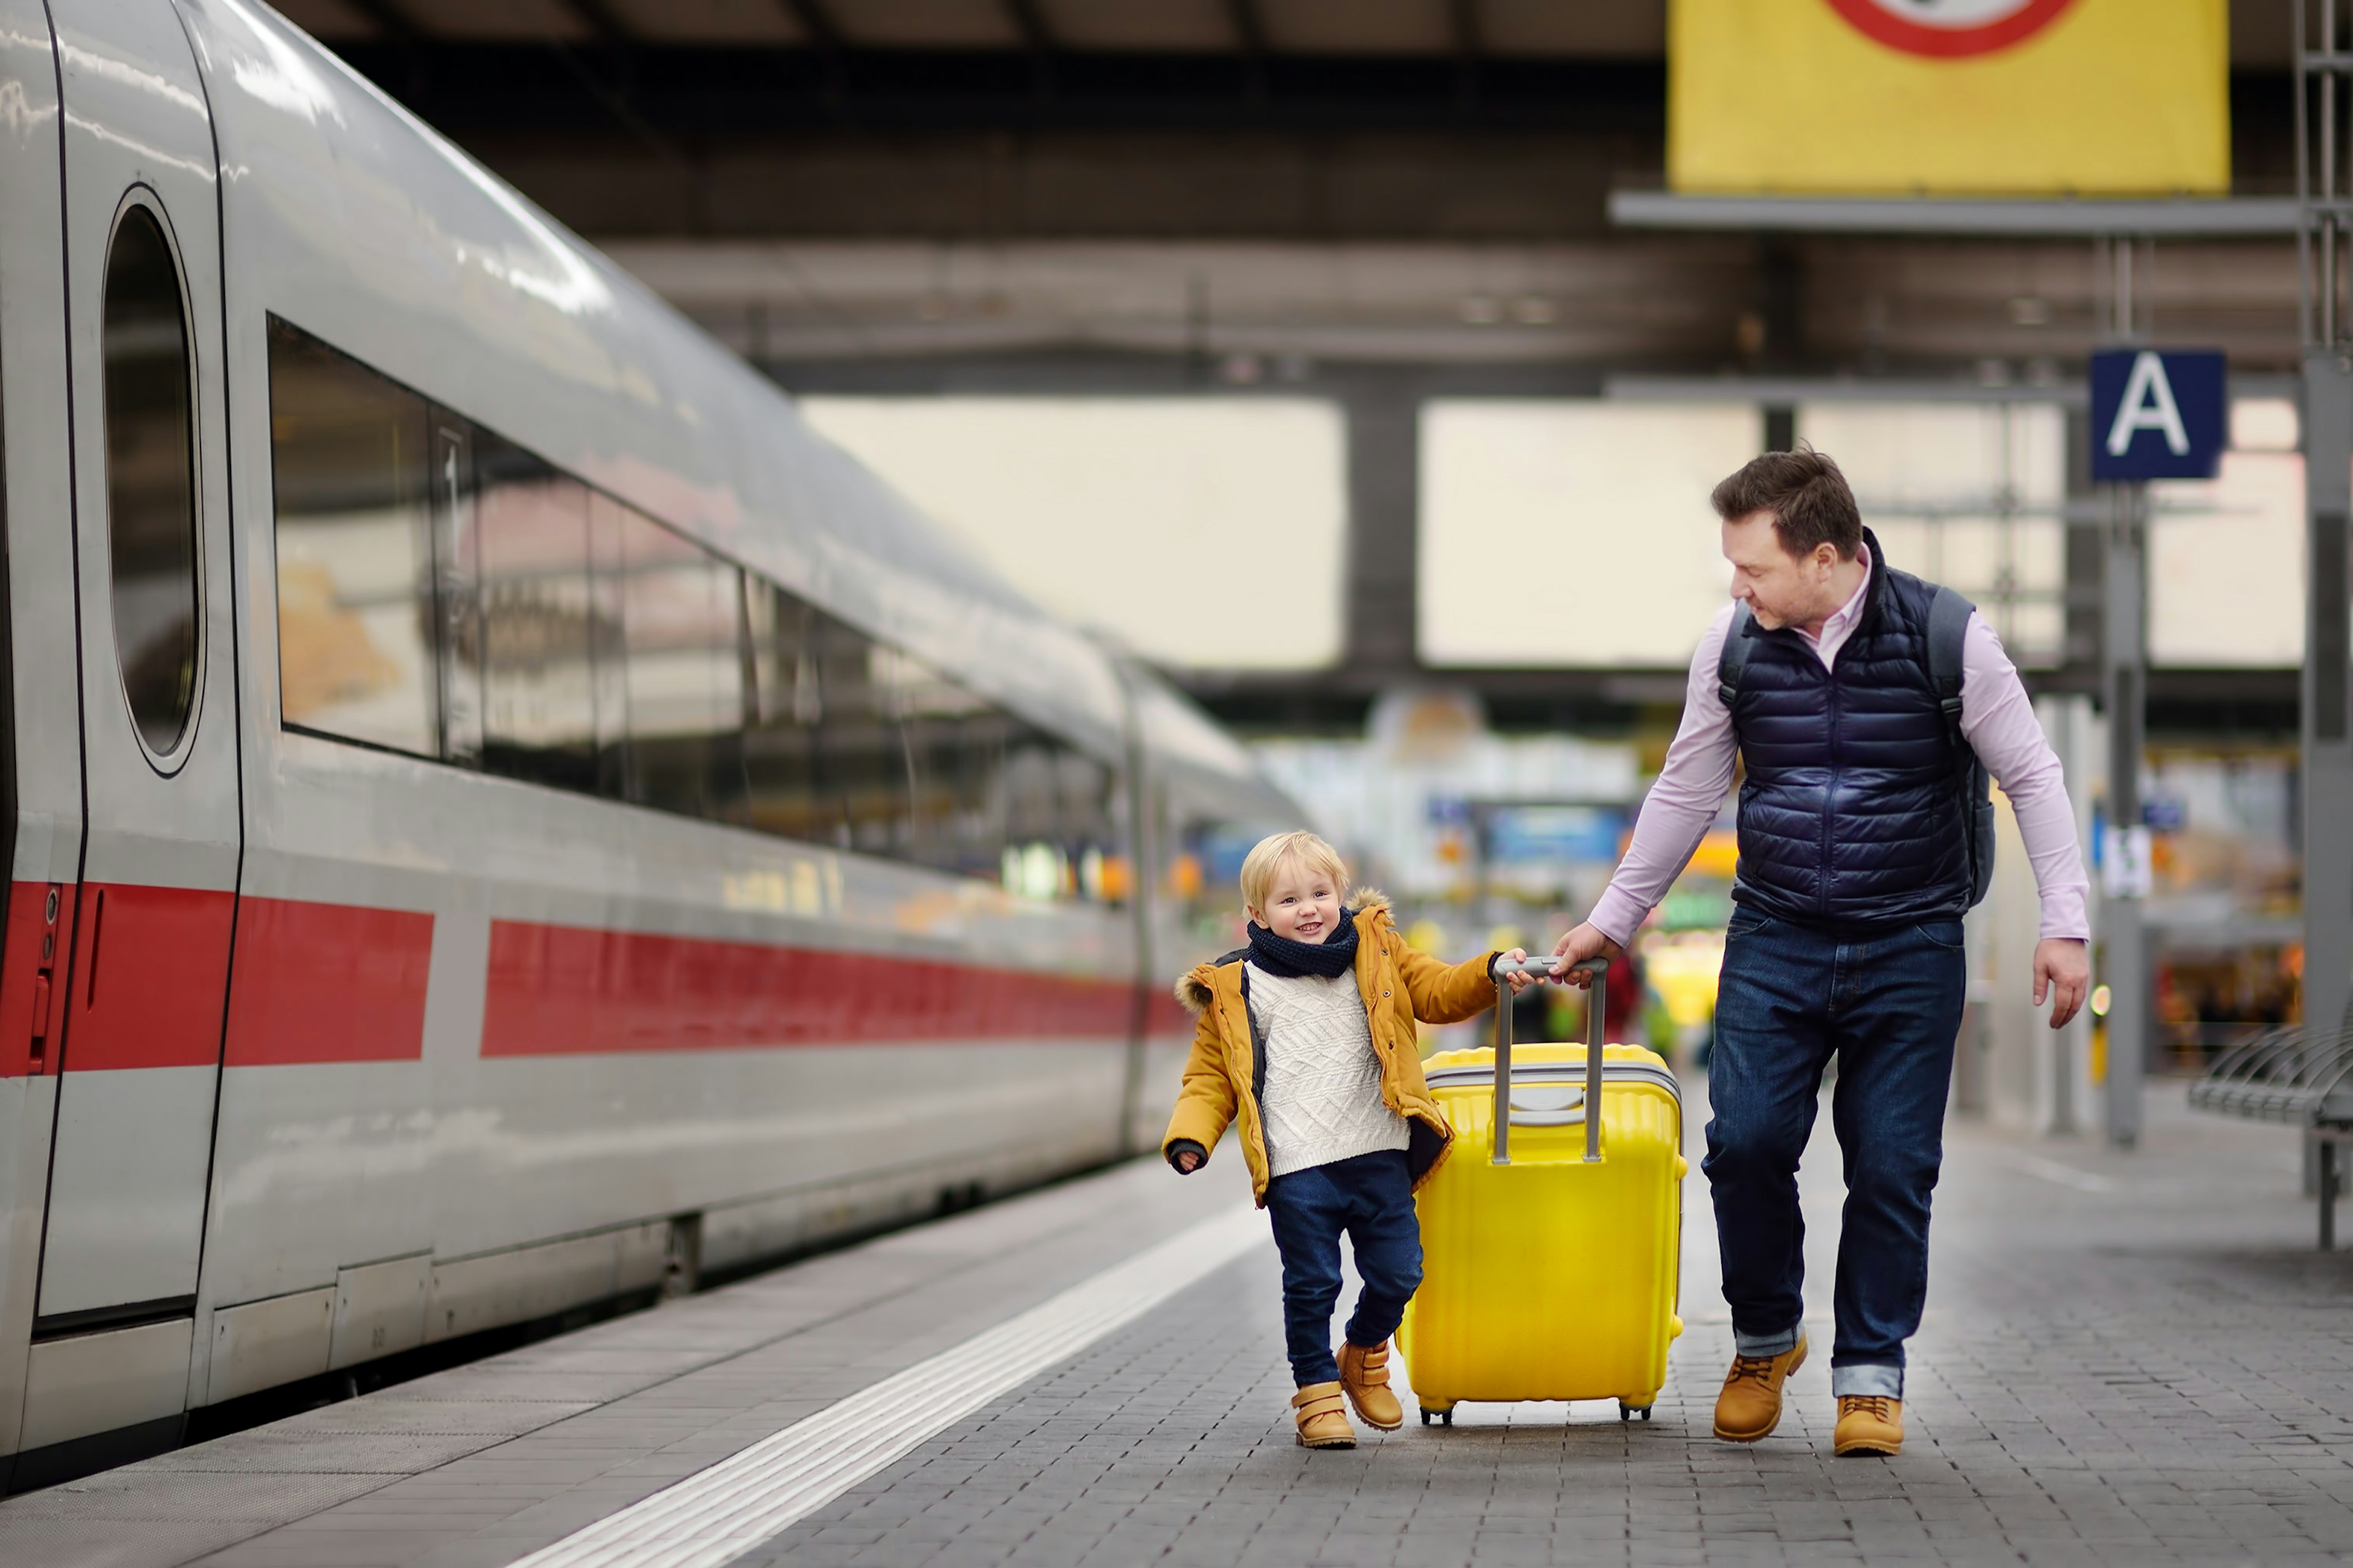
(1281, 956)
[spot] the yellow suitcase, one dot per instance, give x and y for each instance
(1551, 1244)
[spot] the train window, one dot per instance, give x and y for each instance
(682, 625)
(539, 696)
(1060, 835)
(780, 746)
(457, 588)
(608, 647)
(955, 752)
(444, 592)
(356, 619)
(862, 774)
(151, 491)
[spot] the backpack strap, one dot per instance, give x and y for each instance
(1735, 656)
(1948, 626)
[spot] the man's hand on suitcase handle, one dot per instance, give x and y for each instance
(1580, 945)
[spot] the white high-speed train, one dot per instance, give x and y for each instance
(503, 815)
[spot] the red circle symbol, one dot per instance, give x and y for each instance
(1979, 28)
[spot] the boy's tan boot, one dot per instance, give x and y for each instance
(1323, 1417)
(1750, 1405)
(1869, 1423)
(1364, 1374)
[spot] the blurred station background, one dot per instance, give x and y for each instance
(1357, 364)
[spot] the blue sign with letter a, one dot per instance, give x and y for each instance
(2158, 414)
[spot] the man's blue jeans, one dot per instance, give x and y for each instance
(1371, 1198)
(1887, 1004)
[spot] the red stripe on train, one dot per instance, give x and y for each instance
(327, 983)
(564, 990)
(148, 971)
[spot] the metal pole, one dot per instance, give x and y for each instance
(2328, 747)
(2327, 725)
(2124, 656)
(2125, 960)
(2328, 1194)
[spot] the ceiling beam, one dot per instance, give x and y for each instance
(824, 39)
(1249, 31)
(387, 18)
(598, 18)
(1463, 23)
(1037, 36)
(816, 21)
(1250, 38)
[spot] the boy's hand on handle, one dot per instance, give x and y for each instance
(1579, 945)
(2062, 969)
(1519, 983)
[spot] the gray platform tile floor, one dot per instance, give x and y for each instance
(2128, 1360)
(483, 1463)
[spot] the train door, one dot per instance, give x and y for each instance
(142, 1007)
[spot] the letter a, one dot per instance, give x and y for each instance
(2147, 404)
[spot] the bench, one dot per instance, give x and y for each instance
(2288, 1076)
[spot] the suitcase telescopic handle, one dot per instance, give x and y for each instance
(1542, 968)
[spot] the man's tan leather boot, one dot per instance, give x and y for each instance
(1869, 1423)
(1364, 1374)
(1750, 1405)
(1323, 1417)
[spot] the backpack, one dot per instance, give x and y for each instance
(1949, 624)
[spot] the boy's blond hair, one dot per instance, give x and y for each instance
(1267, 856)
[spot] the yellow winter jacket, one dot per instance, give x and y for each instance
(1226, 1070)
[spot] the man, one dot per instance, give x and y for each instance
(1845, 940)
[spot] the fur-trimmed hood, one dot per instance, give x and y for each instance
(1367, 906)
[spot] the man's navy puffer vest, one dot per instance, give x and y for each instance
(1849, 815)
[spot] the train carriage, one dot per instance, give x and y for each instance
(501, 815)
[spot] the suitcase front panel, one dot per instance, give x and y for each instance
(1550, 1278)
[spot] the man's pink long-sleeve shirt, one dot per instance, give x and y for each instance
(1997, 720)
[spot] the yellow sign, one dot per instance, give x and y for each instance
(1950, 97)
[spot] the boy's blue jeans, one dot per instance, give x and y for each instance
(1371, 1198)
(1887, 1004)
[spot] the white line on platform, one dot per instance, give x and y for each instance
(2065, 1175)
(717, 1515)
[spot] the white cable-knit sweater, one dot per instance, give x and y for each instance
(1323, 1097)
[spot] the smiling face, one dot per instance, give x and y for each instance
(1779, 589)
(1302, 903)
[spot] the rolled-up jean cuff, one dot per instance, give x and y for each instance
(1768, 1344)
(1870, 1378)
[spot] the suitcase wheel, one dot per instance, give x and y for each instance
(1444, 1418)
(1627, 1412)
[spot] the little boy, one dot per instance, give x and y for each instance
(1308, 1032)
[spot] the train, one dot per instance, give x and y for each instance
(504, 818)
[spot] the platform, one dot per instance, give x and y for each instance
(2126, 1358)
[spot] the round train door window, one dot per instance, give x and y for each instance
(150, 489)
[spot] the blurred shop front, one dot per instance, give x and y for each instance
(2226, 908)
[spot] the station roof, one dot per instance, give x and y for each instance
(1504, 29)
(1501, 30)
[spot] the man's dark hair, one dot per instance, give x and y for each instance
(1807, 495)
